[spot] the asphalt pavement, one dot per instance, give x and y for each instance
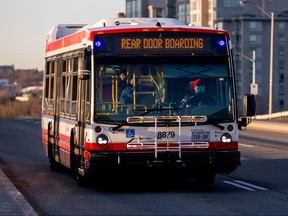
(12, 202)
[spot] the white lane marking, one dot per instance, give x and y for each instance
(239, 185)
(250, 185)
(246, 145)
(245, 185)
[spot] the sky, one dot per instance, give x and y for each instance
(24, 25)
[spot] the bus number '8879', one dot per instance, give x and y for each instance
(165, 134)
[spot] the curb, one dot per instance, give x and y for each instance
(12, 201)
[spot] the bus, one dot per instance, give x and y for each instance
(85, 126)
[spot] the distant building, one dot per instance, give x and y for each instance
(151, 8)
(250, 30)
(7, 68)
(8, 90)
(4, 82)
(156, 9)
(137, 8)
(31, 91)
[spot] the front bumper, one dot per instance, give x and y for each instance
(215, 161)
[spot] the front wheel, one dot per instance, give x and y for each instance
(75, 161)
(53, 165)
(80, 180)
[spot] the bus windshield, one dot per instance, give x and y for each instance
(163, 86)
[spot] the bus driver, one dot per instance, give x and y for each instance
(197, 95)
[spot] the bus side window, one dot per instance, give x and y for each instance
(46, 84)
(52, 84)
(88, 102)
(74, 86)
(49, 85)
(68, 88)
(63, 85)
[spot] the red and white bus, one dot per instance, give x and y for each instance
(85, 126)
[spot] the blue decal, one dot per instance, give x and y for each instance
(130, 133)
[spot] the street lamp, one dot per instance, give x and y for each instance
(271, 49)
(253, 86)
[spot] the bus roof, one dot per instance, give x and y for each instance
(77, 33)
(130, 22)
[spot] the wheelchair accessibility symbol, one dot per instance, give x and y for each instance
(130, 133)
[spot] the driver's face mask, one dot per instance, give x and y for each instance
(200, 89)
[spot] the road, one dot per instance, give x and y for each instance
(258, 187)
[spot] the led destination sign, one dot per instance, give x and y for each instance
(164, 43)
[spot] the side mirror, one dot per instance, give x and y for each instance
(249, 105)
(249, 110)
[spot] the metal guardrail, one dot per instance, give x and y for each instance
(278, 116)
(269, 125)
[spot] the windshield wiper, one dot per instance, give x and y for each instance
(119, 126)
(219, 126)
(160, 109)
(214, 123)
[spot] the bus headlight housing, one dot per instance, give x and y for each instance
(226, 138)
(102, 139)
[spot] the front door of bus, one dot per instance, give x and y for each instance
(82, 116)
(57, 102)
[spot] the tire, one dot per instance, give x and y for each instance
(53, 165)
(80, 180)
(74, 162)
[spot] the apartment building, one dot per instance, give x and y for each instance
(250, 27)
(151, 8)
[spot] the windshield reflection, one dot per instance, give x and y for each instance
(163, 89)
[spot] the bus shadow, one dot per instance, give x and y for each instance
(145, 180)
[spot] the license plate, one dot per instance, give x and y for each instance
(200, 136)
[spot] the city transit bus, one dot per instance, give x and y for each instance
(86, 126)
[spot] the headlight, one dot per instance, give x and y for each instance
(226, 138)
(102, 139)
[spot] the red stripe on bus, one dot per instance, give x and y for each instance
(64, 145)
(64, 142)
(64, 137)
(122, 147)
(67, 41)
